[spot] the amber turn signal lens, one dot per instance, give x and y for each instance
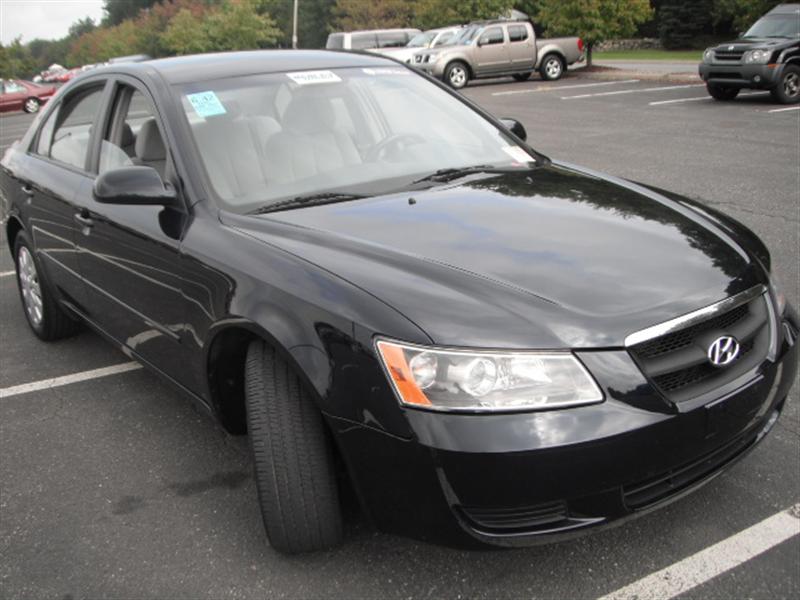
(396, 364)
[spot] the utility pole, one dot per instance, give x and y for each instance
(294, 26)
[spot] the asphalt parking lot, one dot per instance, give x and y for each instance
(114, 486)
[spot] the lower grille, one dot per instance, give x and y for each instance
(677, 363)
(651, 491)
(525, 518)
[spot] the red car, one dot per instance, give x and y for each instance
(23, 95)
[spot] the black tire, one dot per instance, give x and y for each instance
(293, 457)
(552, 67)
(31, 105)
(722, 93)
(51, 322)
(522, 76)
(456, 75)
(788, 88)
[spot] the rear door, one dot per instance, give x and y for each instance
(56, 168)
(521, 48)
(491, 51)
(12, 96)
(130, 255)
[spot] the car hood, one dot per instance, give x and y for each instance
(751, 43)
(555, 257)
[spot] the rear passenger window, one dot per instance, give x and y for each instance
(73, 128)
(517, 33)
(392, 39)
(363, 41)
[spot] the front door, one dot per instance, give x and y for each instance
(521, 48)
(491, 51)
(130, 255)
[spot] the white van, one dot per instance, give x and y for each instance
(368, 40)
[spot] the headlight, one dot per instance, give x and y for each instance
(757, 57)
(460, 380)
(777, 293)
(708, 56)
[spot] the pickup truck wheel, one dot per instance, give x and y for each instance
(456, 75)
(722, 93)
(522, 76)
(31, 105)
(552, 67)
(46, 317)
(294, 469)
(788, 88)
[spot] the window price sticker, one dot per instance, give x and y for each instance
(206, 104)
(312, 77)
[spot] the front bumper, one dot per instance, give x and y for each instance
(741, 76)
(522, 479)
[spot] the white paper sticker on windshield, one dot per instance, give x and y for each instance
(387, 71)
(309, 77)
(518, 154)
(206, 104)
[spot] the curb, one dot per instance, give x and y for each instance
(612, 74)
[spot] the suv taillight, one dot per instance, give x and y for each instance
(580, 45)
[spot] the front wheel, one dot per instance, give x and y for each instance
(31, 105)
(456, 75)
(293, 456)
(722, 93)
(788, 88)
(552, 68)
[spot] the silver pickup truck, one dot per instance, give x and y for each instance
(498, 48)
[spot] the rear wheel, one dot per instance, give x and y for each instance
(522, 76)
(31, 105)
(552, 67)
(293, 457)
(46, 317)
(788, 88)
(456, 75)
(722, 93)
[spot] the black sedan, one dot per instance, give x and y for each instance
(388, 289)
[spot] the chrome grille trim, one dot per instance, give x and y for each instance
(696, 317)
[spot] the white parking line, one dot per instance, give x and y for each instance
(706, 97)
(784, 109)
(548, 88)
(46, 384)
(635, 91)
(714, 560)
(7, 273)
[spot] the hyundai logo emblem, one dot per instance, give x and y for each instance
(723, 351)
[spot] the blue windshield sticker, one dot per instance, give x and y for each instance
(206, 104)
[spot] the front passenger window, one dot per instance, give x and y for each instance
(492, 36)
(73, 128)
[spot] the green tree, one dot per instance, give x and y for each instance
(16, 61)
(593, 20)
(741, 13)
(237, 26)
(681, 21)
(349, 15)
(81, 26)
(438, 13)
(119, 10)
(186, 34)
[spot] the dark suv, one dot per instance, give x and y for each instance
(767, 57)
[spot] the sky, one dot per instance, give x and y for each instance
(46, 19)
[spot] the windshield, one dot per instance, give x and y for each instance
(466, 36)
(783, 26)
(421, 40)
(264, 139)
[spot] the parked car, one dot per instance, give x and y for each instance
(497, 48)
(492, 347)
(433, 38)
(367, 40)
(767, 57)
(16, 94)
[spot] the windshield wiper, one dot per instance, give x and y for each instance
(309, 200)
(443, 175)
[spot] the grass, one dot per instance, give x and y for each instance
(673, 55)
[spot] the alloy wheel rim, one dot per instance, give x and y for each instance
(32, 105)
(30, 287)
(553, 67)
(458, 76)
(791, 85)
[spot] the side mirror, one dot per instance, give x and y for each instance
(133, 185)
(514, 127)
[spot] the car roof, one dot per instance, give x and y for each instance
(785, 9)
(204, 67)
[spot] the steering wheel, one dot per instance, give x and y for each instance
(394, 144)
